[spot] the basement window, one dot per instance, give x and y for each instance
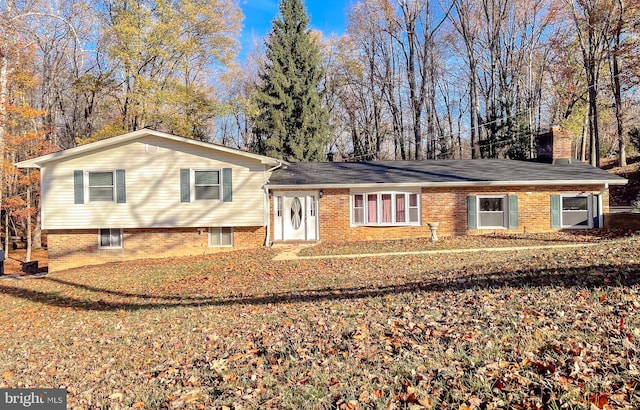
(220, 237)
(110, 238)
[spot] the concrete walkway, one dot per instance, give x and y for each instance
(292, 252)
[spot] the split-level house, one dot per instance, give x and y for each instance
(150, 194)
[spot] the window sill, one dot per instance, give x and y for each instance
(384, 225)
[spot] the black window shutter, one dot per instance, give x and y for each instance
(78, 187)
(472, 215)
(555, 211)
(121, 189)
(226, 185)
(185, 185)
(513, 212)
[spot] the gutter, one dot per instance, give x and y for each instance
(604, 188)
(606, 183)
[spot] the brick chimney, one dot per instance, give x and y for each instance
(555, 146)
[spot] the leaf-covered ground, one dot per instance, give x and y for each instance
(624, 195)
(495, 240)
(13, 263)
(553, 328)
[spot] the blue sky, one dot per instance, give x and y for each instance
(327, 16)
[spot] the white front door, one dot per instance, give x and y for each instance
(296, 216)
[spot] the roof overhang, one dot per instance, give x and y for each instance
(41, 161)
(460, 184)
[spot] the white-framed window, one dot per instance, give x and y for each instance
(101, 186)
(279, 206)
(385, 208)
(206, 184)
(98, 185)
(357, 209)
(220, 236)
(110, 238)
(312, 207)
(492, 211)
(575, 211)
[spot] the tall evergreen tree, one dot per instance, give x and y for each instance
(292, 123)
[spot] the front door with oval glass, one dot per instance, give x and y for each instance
(296, 216)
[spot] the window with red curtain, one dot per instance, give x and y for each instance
(372, 208)
(386, 209)
(400, 208)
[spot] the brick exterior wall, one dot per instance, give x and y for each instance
(74, 248)
(448, 206)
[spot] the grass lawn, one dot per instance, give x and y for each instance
(552, 328)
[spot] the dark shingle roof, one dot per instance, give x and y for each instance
(438, 172)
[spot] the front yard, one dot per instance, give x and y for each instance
(551, 328)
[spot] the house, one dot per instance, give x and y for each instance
(151, 194)
(397, 199)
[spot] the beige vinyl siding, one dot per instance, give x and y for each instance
(152, 168)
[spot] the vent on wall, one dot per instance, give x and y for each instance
(150, 148)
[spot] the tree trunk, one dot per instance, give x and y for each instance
(37, 230)
(3, 113)
(474, 111)
(28, 233)
(593, 121)
(617, 95)
(416, 110)
(6, 235)
(376, 105)
(583, 142)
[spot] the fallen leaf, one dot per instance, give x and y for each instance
(116, 396)
(599, 400)
(499, 384)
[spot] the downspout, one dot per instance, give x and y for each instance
(604, 189)
(267, 207)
